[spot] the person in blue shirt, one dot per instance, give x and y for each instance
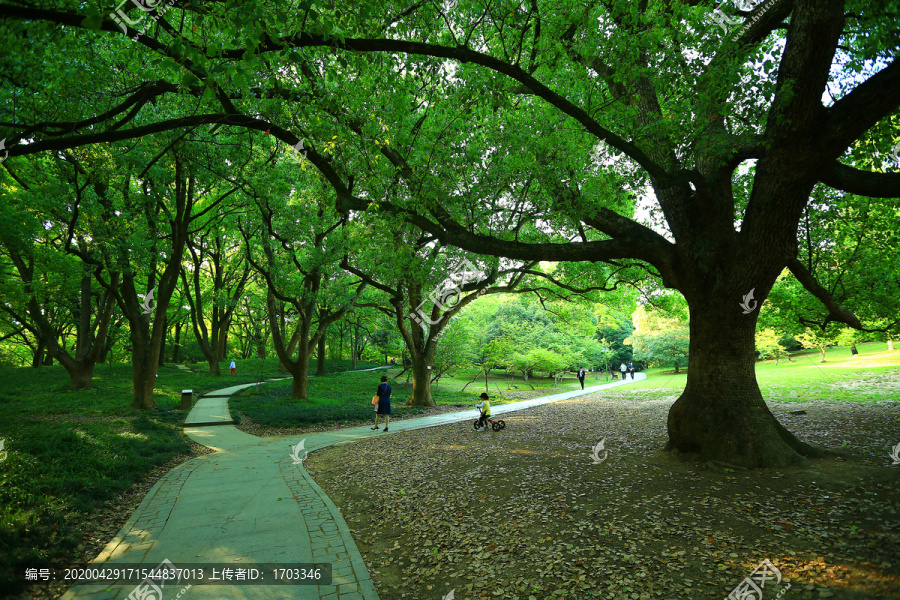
(384, 403)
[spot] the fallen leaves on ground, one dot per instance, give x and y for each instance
(525, 514)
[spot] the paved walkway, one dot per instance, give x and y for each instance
(249, 503)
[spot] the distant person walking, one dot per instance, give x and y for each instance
(631, 369)
(581, 375)
(624, 370)
(233, 367)
(384, 403)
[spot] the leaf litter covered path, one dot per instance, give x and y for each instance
(526, 514)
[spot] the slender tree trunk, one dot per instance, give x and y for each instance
(261, 345)
(144, 367)
(162, 344)
(721, 415)
(525, 379)
(106, 353)
(890, 344)
(177, 347)
(38, 357)
(320, 356)
(300, 371)
(222, 341)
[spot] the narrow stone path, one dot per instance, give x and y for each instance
(249, 503)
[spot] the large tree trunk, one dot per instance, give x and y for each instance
(143, 367)
(421, 393)
(81, 376)
(890, 344)
(721, 415)
(90, 336)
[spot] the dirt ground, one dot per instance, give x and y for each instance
(527, 513)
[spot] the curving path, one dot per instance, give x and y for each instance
(249, 503)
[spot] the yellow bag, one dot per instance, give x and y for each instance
(375, 400)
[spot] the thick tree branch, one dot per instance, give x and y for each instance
(812, 38)
(63, 143)
(868, 103)
(466, 55)
(862, 183)
(836, 312)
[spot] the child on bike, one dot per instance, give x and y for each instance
(484, 407)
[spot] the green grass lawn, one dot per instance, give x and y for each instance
(347, 399)
(804, 376)
(473, 382)
(70, 452)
